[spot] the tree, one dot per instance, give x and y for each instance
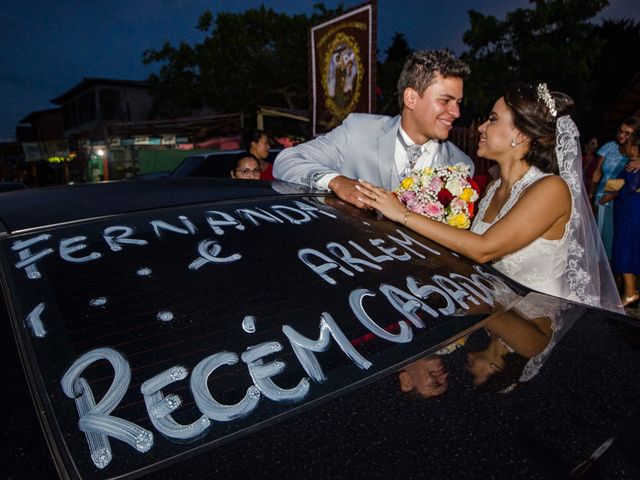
(614, 67)
(389, 71)
(247, 59)
(553, 42)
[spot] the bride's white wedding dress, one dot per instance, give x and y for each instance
(541, 264)
(573, 267)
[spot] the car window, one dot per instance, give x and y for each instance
(207, 165)
(187, 166)
(215, 165)
(150, 336)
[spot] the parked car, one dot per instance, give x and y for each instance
(210, 328)
(150, 175)
(217, 163)
(11, 186)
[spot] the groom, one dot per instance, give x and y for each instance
(382, 149)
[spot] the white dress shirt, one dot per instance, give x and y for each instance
(426, 158)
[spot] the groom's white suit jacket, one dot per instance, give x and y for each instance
(362, 147)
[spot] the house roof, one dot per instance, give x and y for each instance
(34, 115)
(88, 82)
(197, 127)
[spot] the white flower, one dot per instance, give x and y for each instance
(454, 186)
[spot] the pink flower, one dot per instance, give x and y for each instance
(413, 204)
(436, 184)
(407, 196)
(458, 204)
(433, 209)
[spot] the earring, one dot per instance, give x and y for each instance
(514, 144)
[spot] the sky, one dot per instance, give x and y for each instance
(47, 46)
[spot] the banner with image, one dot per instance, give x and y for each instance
(343, 67)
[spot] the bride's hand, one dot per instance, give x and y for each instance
(382, 200)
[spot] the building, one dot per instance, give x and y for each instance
(88, 109)
(94, 102)
(102, 130)
(108, 122)
(46, 153)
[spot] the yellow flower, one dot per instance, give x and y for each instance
(427, 171)
(467, 193)
(407, 183)
(460, 221)
(452, 346)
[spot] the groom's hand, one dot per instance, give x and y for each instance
(345, 188)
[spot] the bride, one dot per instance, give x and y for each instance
(534, 223)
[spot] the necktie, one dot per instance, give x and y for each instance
(413, 154)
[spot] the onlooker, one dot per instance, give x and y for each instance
(247, 168)
(610, 162)
(626, 233)
(256, 142)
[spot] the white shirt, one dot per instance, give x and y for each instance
(428, 150)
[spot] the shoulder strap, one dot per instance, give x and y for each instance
(529, 178)
(486, 200)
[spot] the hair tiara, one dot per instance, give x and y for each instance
(545, 97)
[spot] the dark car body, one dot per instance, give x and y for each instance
(198, 328)
(217, 163)
(11, 186)
(150, 175)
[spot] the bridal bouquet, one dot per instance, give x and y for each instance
(452, 347)
(446, 194)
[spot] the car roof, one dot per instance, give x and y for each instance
(23, 209)
(233, 276)
(236, 151)
(262, 279)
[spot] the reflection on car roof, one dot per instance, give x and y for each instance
(22, 210)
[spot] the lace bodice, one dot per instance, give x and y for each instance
(541, 264)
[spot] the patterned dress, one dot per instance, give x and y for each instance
(625, 257)
(612, 166)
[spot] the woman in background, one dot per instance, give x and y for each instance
(245, 168)
(626, 216)
(257, 144)
(609, 164)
